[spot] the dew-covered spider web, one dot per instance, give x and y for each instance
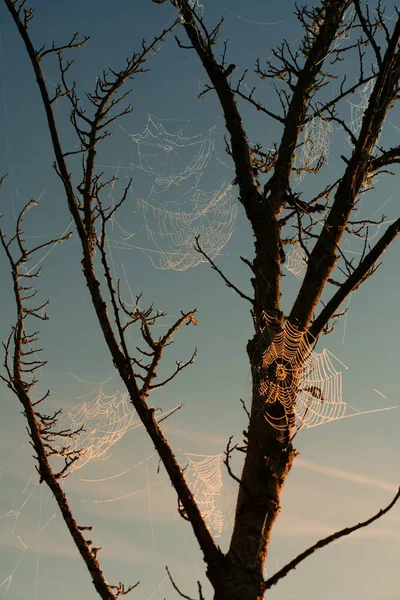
(178, 204)
(205, 479)
(358, 103)
(314, 148)
(101, 422)
(170, 158)
(172, 233)
(306, 383)
(296, 261)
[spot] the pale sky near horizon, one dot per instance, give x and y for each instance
(347, 470)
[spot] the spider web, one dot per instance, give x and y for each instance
(296, 261)
(314, 150)
(304, 382)
(295, 371)
(102, 421)
(358, 104)
(173, 233)
(170, 160)
(204, 474)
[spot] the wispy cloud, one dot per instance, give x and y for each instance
(328, 517)
(194, 435)
(48, 546)
(293, 526)
(356, 478)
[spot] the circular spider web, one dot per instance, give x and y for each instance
(304, 382)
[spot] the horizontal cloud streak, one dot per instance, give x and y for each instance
(295, 526)
(356, 478)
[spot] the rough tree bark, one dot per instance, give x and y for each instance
(238, 574)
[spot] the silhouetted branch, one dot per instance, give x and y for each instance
(355, 279)
(199, 249)
(325, 541)
(176, 587)
(83, 211)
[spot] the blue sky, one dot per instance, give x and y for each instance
(347, 470)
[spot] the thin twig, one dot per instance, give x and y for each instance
(176, 587)
(325, 541)
(214, 266)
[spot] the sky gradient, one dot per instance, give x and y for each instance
(346, 470)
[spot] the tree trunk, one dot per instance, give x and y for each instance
(269, 458)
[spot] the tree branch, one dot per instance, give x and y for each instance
(182, 595)
(325, 541)
(199, 249)
(359, 275)
(201, 42)
(102, 99)
(323, 257)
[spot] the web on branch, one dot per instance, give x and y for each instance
(306, 383)
(178, 208)
(358, 104)
(173, 233)
(296, 261)
(314, 149)
(205, 477)
(169, 157)
(100, 423)
(103, 421)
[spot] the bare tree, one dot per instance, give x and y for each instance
(281, 346)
